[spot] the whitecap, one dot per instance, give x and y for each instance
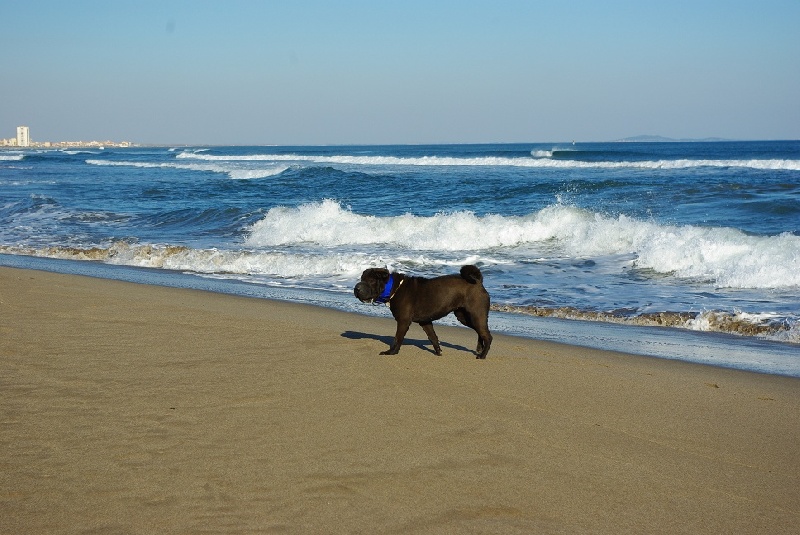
(538, 159)
(236, 173)
(723, 256)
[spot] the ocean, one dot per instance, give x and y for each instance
(694, 244)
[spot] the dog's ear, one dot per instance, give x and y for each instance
(378, 274)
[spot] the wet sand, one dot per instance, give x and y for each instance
(128, 408)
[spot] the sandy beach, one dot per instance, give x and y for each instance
(127, 408)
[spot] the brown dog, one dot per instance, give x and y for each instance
(421, 300)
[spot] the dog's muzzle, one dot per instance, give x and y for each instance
(362, 293)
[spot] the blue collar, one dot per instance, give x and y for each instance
(387, 291)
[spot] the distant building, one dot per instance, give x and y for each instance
(23, 136)
(23, 139)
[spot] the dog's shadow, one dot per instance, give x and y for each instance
(388, 340)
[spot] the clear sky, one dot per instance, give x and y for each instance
(338, 72)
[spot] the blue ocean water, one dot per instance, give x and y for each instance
(701, 236)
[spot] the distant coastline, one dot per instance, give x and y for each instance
(10, 143)
(67, 144)
(662, 139)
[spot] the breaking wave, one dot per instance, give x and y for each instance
(208, 261)
(232, 172)
(538, 159)
(11, 157)
(725, 257)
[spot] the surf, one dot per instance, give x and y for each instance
(542, 159)
(725, 257)
(235, 173)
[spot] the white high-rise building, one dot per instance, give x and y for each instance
(23, 136)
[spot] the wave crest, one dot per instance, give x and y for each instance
(209, 261)
(538, 159)
(232, 172)
(727, 257)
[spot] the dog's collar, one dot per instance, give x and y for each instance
(387, 294)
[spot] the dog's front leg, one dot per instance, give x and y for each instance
(402, 329)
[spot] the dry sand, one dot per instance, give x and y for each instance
(127, 408)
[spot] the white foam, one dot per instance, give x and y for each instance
(214, 261)
(726, 257)
(328, 224)
(11, 157)
(275, 264)
(250, 174)
(539, 159)
(233, 172)
(764, 325)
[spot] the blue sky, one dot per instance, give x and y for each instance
(306, 72)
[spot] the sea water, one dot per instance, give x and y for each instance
(692, 236)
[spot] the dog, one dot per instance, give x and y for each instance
(422, 300)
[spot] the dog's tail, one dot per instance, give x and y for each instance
(472, 274)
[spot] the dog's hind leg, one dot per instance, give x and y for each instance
(464, 317)
(428, 328)
(484, 340)
(482, 328)
(480, 325)
(402, 329)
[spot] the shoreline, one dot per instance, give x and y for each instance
(136, 408)
(727, 350)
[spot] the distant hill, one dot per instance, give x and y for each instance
(662, 139)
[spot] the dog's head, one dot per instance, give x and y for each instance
(373, 281)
